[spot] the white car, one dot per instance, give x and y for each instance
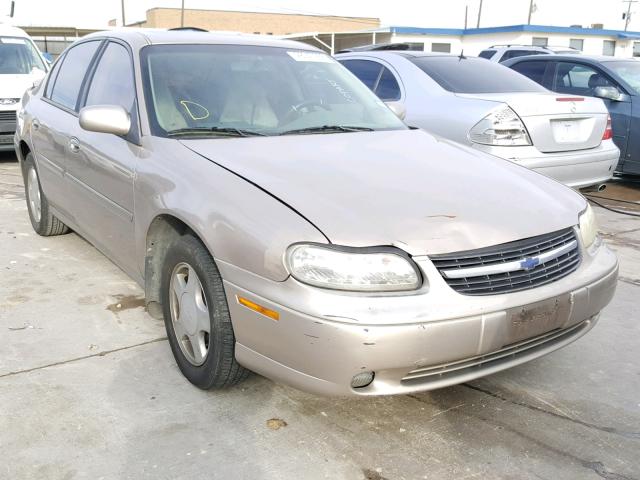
(500, 53)
(488, 107)
(21, 65)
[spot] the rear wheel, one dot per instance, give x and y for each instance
(43, 221)
(197, 317)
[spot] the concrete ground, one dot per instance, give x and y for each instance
(89, 389)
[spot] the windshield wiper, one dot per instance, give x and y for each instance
(327, 129)
(232, 131)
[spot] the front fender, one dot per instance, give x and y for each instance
(239, 223)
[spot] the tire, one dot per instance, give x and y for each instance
(219, 368)
(43, 221)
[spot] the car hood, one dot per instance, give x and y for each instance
(14, 86)
(406, 188)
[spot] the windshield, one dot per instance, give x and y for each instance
(474, 75)
(230, 89)
(18, 56)
(629, 71)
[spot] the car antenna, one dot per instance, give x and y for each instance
(462, 57)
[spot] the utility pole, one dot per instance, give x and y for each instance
(627, 17)
(466, 15)
(479, 14)
(182, 15)
(124, 22)
(530, 11)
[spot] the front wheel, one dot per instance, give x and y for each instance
(197, 318)
(43, 221)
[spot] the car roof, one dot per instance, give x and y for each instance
(401, 53)
(570, 58)
(517, 47)
(11, 31)
(150, 36)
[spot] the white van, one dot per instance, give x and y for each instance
(21, 64)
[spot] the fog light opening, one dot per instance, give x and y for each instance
(362, 379)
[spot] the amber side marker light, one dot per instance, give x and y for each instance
(272, 314)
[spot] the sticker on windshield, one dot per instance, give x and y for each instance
(19, 41)
(300, 56)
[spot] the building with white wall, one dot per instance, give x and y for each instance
(593, 41)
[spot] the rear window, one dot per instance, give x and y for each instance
(474, 75)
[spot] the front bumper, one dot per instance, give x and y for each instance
(431, 339)
(576, 169)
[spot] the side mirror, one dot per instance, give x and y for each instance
(112, 119)
(609, 93)
(48, 57)
(398, 108)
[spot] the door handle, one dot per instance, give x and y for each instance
(74, 145)
(35, 124)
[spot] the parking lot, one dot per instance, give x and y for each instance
(89, 389)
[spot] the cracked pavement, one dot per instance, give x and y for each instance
(89, 389)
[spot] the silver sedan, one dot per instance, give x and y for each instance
(282, 219)
(484, 105)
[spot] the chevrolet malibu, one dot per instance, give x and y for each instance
(282, 219)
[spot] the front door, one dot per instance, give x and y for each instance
(576, 78)
(103, 165)
(631, 164)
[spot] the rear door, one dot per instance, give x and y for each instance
(54, 118)
(102, 165)
(576, 78)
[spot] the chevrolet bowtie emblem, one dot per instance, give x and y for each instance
(529, 263)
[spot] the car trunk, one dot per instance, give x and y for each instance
(556, 123)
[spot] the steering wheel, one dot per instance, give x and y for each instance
(295, 110)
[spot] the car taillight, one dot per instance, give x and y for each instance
(608, 131)
(501, 127)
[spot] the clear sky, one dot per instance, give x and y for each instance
(421, 13)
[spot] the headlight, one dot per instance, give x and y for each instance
(588, 226)
(500, 127)
(369, 270)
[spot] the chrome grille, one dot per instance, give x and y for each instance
(7, 116)
(511, 267)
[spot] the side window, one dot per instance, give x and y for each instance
(388, 88)
(72, 71)
(368, 72)
(534, 70)
(112, 82)
(578, 79)
(375, 76)
(518, 53)
(487, 54)
(52, 77)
